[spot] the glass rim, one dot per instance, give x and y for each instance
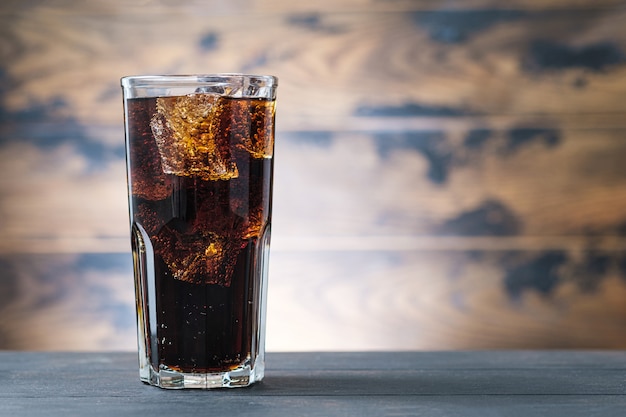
(182, 80)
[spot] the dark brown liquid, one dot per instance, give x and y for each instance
(204, 237)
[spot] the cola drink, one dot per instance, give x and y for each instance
(200, 186)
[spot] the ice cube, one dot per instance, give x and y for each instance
(198, 258)
(253, 227)
(192, 138)
(146, 176)
(254, 123)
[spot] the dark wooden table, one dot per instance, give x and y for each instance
(524, 383)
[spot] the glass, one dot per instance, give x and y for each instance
(199, 152)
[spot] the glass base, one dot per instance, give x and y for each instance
(242, 376)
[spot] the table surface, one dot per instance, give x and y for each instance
(486, 383)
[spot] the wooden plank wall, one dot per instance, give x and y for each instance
(449, 174)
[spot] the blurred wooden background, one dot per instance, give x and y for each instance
(449, 174)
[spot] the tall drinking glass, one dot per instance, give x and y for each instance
(199, 152)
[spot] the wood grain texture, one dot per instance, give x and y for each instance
(444, 63)
(477, 183)
(437, 183)
(448, 174)
(369, 384)
(280, 6)
(345, 300)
